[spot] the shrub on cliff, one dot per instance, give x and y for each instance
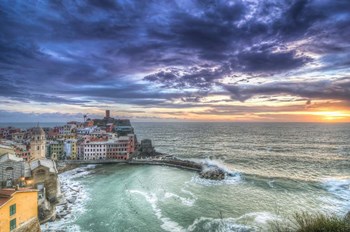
(305, 222)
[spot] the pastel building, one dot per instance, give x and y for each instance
(56, 149)
(17, 208)
(119, 148)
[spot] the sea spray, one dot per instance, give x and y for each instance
(73, 202)
(340, 189)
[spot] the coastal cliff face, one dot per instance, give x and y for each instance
(31, 225)
(46, 180)
(47, 211)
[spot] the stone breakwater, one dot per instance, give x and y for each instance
(207, 169)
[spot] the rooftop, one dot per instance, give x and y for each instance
(38, 131)
(6, 194)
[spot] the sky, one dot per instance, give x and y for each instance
(175, 60)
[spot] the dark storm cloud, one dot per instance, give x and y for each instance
(51, 51)
(323, 89)
(201, 77)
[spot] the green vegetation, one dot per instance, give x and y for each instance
(305, 222)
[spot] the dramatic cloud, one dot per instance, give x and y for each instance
(327, 89)
(145, 54)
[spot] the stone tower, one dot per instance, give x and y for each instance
(37, 144)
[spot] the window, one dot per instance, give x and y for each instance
(13, 224)
(13, 210)
(40, 172)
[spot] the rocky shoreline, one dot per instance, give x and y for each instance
(72, 191)
(73, 198)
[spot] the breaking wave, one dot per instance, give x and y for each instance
(257, 220)
(339, 202)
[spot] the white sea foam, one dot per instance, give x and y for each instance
(340, 189)
(71, 189)
(261, 217)
(189, 192)
(168, 224)
(229, 180)
(217, 224)
(184, 201)
(270, 183)
(257, 222)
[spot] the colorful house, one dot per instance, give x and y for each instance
(17, 208)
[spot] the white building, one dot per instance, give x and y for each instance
(95, 150)
(118, 148)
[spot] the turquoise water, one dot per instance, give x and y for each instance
(280, 168)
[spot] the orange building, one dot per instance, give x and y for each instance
(17, 207)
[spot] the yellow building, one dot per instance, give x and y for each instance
(17, 207)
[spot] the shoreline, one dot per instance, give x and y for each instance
(74, 196)
(77, 171)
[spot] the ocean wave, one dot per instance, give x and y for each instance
(168, 224)
(184, 201)
(254, 221)
(340, 189)
(188, 192)
(257, 221)
(226, 224)
(229, 180)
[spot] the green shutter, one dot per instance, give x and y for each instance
(13, 224)
(12, 209)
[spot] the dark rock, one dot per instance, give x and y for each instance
(72, 199)
(212, 173)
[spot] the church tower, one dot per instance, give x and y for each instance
(37, 144)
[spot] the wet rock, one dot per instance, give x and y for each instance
(72, 199)
(212, 173)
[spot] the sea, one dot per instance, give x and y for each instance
(277, 170)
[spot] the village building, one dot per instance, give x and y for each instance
(56, 149)
(13, 171)
(19, 210)
(37, 144)
(118, 148)
(6, 149)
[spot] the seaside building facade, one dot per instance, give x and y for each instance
(118, 148)
(18, 207)
(56, 149)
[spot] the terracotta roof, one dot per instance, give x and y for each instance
(7, 192)
(3, 200)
